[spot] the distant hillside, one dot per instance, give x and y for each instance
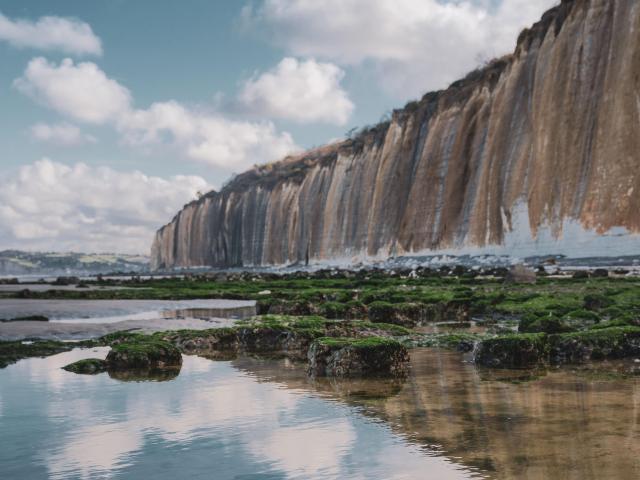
(15, 262)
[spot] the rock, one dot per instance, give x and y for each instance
(149, 355)
(599, 344)
(600, 273)
(512, 351)
(580, 274)
(365, 357)
(520, 274)
(526, 350)
(87, 366)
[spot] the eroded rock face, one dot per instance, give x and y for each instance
(371, 357)
(537, 153)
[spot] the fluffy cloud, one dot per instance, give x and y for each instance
(51, 33)
(206, 137)
(51, 206)
(414, 45)
(85, 93)
(60, 134)
(81, 91)
(307, 91)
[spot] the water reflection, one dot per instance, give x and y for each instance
(145, 375)
(261, 418)
(578, 423)
(213, 420)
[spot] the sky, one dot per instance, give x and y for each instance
(114, 114)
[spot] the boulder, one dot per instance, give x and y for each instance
(512, 351)
(148, 355)
(354, 358)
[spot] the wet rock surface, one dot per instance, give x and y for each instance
(526, 350)
(348, 357)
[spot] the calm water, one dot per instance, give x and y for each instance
(81, 319)
(250, 418)
(111, 311)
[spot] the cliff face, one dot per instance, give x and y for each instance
(537, 153)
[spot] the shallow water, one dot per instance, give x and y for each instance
(110, 311)
(252, 418)
(81, 319)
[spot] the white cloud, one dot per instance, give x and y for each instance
(206, 137)
(81, 91)
(51, 33)
(85, 93)
(307, 91)
(63, 133)
(413, 45)
(50, 206)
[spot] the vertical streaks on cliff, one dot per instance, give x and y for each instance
(545, 140)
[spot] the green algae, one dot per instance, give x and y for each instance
(87, 366)
(11, 352)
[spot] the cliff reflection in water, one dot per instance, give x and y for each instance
(519, 424)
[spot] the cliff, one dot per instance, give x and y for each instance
(537, 153)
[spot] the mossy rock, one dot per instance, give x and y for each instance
(595, 344)
(512, 351)
(87, 366)
(147, 355)
(358, 358)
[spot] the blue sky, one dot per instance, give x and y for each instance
(173, 97)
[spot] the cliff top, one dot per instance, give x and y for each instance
(292, 168)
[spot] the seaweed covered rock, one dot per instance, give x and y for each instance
(364, 357)
(512, 351)
(523, 350)
(595, 344)
(87, 366)
(147, 355)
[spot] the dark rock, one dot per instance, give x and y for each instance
(600, 273)
(366, 357)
